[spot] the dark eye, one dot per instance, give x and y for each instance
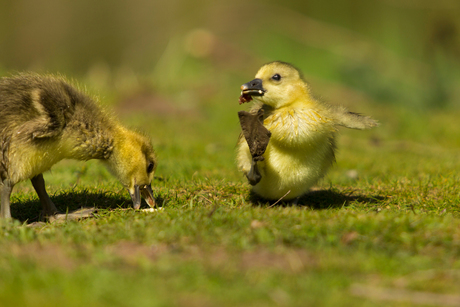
(276, 77)
(150, 167)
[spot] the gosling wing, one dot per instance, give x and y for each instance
(352, 120)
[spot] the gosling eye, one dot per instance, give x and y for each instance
(150, 167)
(276, 77)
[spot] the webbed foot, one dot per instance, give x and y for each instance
(71, 216)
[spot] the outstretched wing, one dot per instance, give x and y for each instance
(352, 120)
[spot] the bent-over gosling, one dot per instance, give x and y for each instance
(301, 146)
(43, 120)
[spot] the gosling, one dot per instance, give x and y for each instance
(301, 147)
(43, 120)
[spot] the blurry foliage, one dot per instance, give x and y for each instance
(394, 51)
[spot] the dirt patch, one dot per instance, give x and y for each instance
(290, 261)
(132, 252)
(50, 256)
(293, 261)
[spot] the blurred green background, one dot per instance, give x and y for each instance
(174, 69)
(402, 52)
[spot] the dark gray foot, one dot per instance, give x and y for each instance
(254, 175)
(295, 201)
(50, 212)
(71, 216)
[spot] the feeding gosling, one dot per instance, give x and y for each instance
(302, 143)
(43, 120)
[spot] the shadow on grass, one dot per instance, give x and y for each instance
(29, 210)
(321, 199)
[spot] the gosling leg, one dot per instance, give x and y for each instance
(5, 191)
(39, 185)
(254, 175)
(295, 202)
(49, 209)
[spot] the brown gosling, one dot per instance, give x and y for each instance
(302, 143)
(43, 120)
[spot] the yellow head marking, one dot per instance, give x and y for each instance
(283, 84)
(133, 160)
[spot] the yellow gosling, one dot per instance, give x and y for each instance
(43, 120)
(302, 144)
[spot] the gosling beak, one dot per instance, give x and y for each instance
(146, 192)
(252, 88)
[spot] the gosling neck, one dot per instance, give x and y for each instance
(90, 140)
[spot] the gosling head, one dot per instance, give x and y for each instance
(133, 161)
(277, 84)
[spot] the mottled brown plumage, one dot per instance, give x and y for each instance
(43, 119)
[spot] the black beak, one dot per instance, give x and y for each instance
(136, 197)
(146, 192)
(252, 88)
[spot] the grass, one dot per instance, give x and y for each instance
(385, 219)
(381, 229)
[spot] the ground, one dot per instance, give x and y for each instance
(382, 228)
